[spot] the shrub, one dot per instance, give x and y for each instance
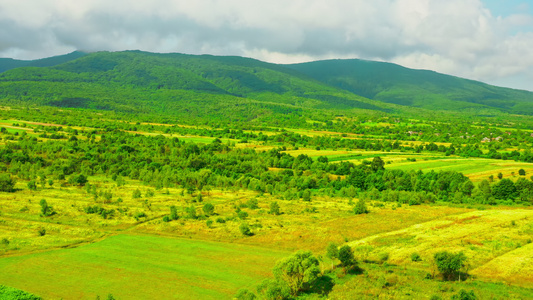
(415, 257)
(360, 207)
(7, 183)
(346, 257)
(41, 231)
(297, 271)
(450, 264)
(464, 295)
(245, 294)
(208, 209)
(274, 208)
(245, 229)
(242, 214)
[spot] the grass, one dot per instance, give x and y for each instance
(493, 240)
(141, 267)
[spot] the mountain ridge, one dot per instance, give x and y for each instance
(136, 80)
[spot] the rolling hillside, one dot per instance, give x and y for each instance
(243, 89)
(419, 88)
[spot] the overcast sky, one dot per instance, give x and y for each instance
(487, 40)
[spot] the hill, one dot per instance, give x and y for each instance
(237, 89)
(392, 83)
(7, 64)
(230, 88)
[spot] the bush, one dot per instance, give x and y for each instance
(450, 264)
(41, 231)
(346, 257)
(464, 295)
(7, 183)
(274, 208)
(242, 214)
(208, 209)
(360, 207)
(245, 294)
(245, 229)
(415, 257)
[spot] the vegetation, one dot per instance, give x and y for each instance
(208, 170)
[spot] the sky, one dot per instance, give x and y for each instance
(486, 40)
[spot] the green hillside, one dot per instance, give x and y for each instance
(230, 88)
(9, 63)
(419, 88)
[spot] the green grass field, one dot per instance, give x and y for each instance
(141, 267)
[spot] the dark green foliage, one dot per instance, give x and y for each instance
(173, 213)
(9, 293)
(245, 294)
(415, 257)
(7, 183)
(245, 229)
(242, 214)
(360, 207)
(208, 209)
(297, 271)
(274, 208)
(522, 172)
(46, 210)
(252, 203)
(41, 231)
(104, 213)
(346, 256)
(464, 295)
(450, 264)
(136, 194)
(32, 185)
(272, 289)
(504, 189)
(79, 180)
(191, 212)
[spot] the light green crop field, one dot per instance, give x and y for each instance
(476, 169)
(141, 267)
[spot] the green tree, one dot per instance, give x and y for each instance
(245, 294)
(450, 264)
(173, 213)
(7, 183)
(46, 210)
(522, 172)
(464, 295)
(245, 229)
(504, 189)
(209, 209)
(274, 208)
(346, 257)
(360, 207)
(298, 271)
(332, 252)
(191, 212)
(306, 195)
(377, 164)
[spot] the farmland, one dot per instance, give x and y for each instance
(113, 183)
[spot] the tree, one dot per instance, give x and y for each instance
(191, 212)
(306, 195)
(464, 295)
(450, 264)
(297, 271)
(522, 172)
(500, 175)
(332, 252)
(360, 207)
(245, 294)
(208, 209)
(377, 164)
(505, 189)
(346, 257)
(274, 208)
(46, 210)
(7, 183)
(173, 213)
(245, 229)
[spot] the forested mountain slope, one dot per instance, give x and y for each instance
(178, 84)
(243, 89)
(420, 88)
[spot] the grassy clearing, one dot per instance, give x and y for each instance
(486, 237)
(141, 267)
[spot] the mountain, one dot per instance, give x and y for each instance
(392, 83)
(231, 88)
(9, 63)
(202, 86)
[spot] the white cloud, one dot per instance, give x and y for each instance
(459, 37)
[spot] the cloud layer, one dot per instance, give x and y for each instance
(459, 37)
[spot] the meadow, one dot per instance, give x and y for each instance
(128, 249)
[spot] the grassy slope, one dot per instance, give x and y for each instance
(141, 267)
